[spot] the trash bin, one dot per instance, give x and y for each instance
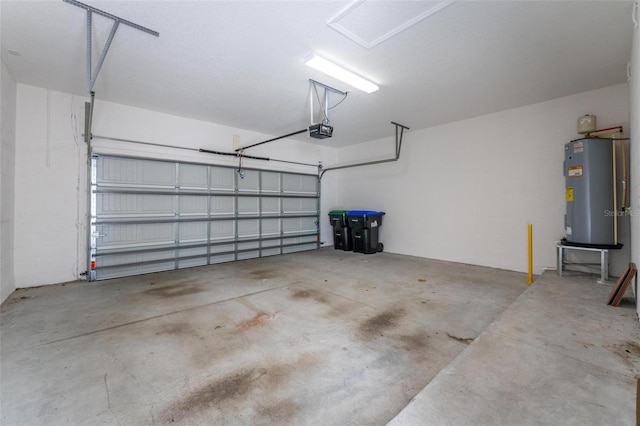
(364, 225)
(341, 230)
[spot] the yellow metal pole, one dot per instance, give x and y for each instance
(530, 234)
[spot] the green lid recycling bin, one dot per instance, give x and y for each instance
(341, 230)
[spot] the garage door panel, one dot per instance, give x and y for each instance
(248, 245)
(222, 205)
(133, 205)
(133, 235)
(270, 205)
(223, 230)
(299, 205)
(193, 176)
(250, 181)
(248, 205)
(271, 227)
(222, 258)
(155, 215)
(190, 263)
(299, 240)
(223, 248)
(248, 255)
(270, 182)
(222, 179)
(125, 271)
(272, 243)
(191, 252)
(190, 205)
(304, 247)
(271, 252)
(248, 228)
(299, 225)
(118, 171)
(192, 232)
(302, 184)
(188, 258)
(157, 173)
(121, 259)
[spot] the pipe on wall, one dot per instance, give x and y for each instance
(399, 135)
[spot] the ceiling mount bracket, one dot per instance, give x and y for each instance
(313, 89)
(93, 75)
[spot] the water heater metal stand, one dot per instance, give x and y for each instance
(604, 260)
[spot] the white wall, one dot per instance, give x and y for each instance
(48, 160)
(7, 179)
(465, 191)
(50, 231)
(635, 148)
(121, 121)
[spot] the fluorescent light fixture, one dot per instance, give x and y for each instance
(341, 74)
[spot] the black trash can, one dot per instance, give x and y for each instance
(341, 230)
(364, 225)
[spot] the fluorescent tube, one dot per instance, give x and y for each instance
(341, 74)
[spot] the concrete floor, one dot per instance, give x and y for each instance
(320, 337)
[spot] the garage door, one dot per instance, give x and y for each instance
(155, 215)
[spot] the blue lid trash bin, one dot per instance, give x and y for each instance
(341, 230)
(365, 225)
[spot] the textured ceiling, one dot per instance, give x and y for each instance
(241, 63)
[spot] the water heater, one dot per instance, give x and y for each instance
(588, 171)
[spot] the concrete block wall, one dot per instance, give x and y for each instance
(8, 88)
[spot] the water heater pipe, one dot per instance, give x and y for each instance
(624, 176)
(615, 194)
(612, 133)
(608, 129)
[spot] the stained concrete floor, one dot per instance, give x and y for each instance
(558, 355)
(322, 337)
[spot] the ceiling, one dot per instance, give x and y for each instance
(241, 63)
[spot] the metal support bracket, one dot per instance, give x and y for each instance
(323, 102)
(604, 260)
(88, 118)
(399, 135)
(92, 76)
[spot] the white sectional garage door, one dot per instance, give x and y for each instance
(155, 215)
